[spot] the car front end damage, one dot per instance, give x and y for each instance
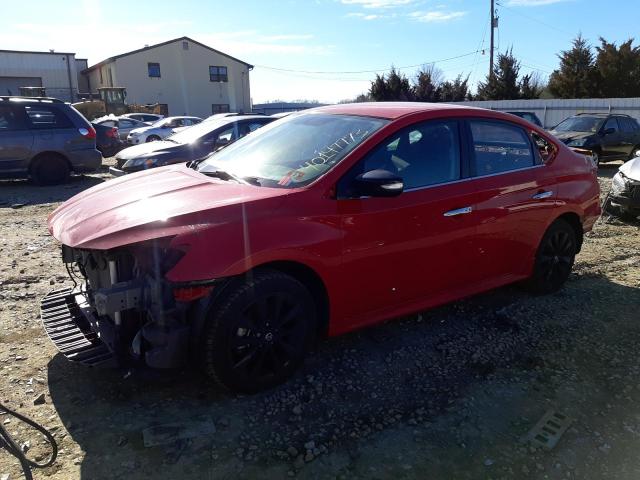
(122, 311)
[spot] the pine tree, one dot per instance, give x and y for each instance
(392, 87)
(503, 84)
(456, 90)
(428, 84)
(618, 69)
(577, 76)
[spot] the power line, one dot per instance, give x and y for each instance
(548, 25)
(365, 71)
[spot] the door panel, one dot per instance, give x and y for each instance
(515, 195)
(408, 249)
(16, 141)
(613, 143)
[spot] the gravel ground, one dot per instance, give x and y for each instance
(446, 394)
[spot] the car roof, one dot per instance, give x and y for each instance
(17, 98)
(393, 110)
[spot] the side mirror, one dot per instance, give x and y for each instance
(608, 131)
(378, 183)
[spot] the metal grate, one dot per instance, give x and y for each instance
(69, 330)
(547, 432)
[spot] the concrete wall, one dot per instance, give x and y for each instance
(184, 83)
(61, 82)
(553, 111)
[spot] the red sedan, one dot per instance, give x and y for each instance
(317, 224)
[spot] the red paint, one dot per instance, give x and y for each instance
(379, 257)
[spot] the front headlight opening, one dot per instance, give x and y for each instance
(619, 183)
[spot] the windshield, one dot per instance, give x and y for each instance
(196, 132)
(160, 122)
(579, 124)
(294, 151)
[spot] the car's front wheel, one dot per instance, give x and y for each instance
(259, 331)
(153, 138)
(554, 258)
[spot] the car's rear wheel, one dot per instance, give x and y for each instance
(49, 169)
(258, 333)
(554, 258)
(153, 138)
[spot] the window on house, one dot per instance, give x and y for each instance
(220, 108)
(185, 45)
(154, 69)
(218, 74)
(110, 78)
(101, 80)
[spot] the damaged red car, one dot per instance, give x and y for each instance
(315, 225)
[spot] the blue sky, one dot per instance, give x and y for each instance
(323, 35)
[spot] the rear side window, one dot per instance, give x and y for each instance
(499, 147)
(10, 119)
(44, 116)
(627, 125)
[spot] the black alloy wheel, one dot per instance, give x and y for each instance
(554, 259)
(259, 332)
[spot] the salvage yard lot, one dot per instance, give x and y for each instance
(446, 394)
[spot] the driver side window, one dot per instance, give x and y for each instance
(423, 154)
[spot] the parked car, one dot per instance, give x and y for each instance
(192, 143)
(45, 139)
(161, 129)
(108, 140)
(144, 117)
(609, 136)
(624, 197)
(124, 124)
(529, 116)
(317, 224)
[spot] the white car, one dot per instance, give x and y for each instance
(144, 117)
(161, 129)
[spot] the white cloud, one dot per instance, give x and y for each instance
(532, 3)
(436, 16)
(378, 3)
(365, 16)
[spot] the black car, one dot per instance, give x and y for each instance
(108, 140)
(45, 139)
(609, 136)
(192, 143)
(529, 116)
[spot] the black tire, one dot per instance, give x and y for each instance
(635, 152)
(153, 138)
(554, 258)
(259, 332)
(49, 170)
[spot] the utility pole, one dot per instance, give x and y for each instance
(494, 24)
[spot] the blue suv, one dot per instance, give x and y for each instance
(45, 139)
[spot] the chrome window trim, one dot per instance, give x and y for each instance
(473, 178)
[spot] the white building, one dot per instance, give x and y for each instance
(57, 72)
(185, 76)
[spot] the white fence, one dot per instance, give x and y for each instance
(553, 111)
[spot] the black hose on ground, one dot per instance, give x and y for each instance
(7, 442)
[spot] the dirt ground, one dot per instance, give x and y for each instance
(448, 394)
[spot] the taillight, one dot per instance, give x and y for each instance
(87, 132)
(113, 133)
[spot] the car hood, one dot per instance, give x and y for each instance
(567, 137)
(631, 169)
(143, 129)
(156, 203)
(146, 148)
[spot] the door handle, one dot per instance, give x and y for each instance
(542, 195)
(458, 211)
